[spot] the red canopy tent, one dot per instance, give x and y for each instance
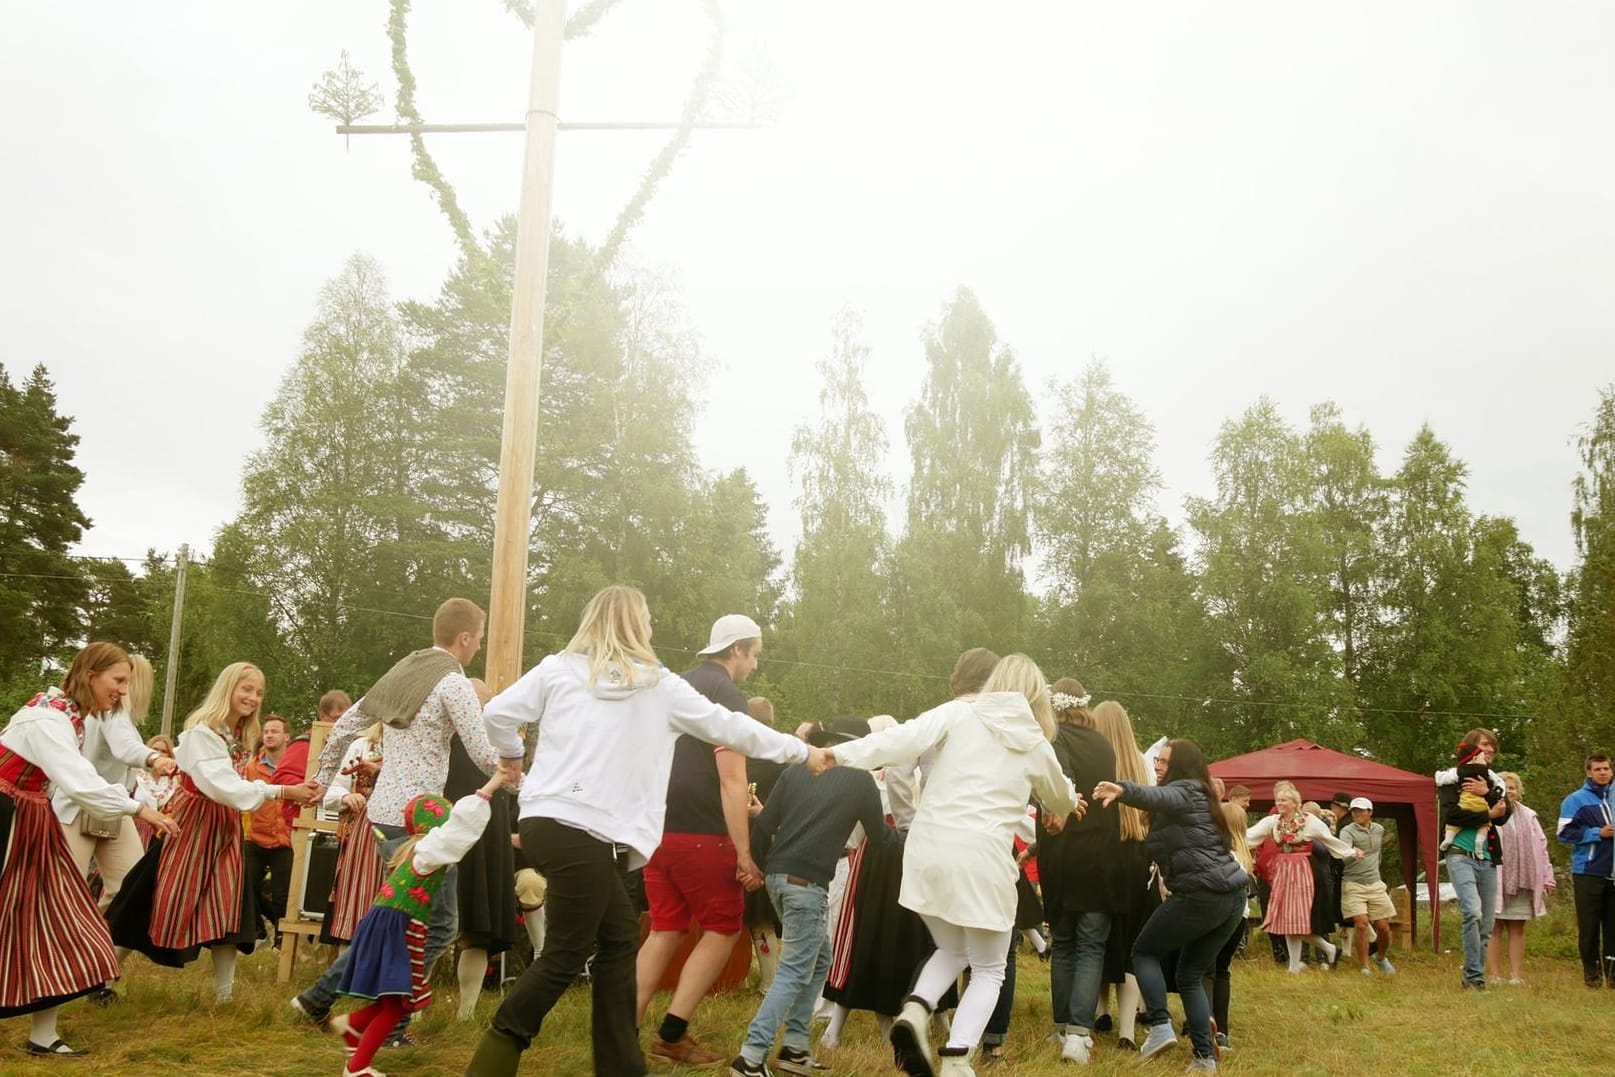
(1407, 798)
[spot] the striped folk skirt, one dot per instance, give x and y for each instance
(188, 891)
(1289, 910)
(54, 945)
(388, 957)
(355, 882)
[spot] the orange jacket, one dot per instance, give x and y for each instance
(267, 827)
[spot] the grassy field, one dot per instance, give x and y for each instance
(1283, 1026)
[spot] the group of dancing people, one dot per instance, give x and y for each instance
(1145, 871)
(598, 726)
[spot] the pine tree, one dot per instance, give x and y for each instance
(42, 590)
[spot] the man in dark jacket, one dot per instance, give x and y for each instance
(1471, 863)
(1075, 870)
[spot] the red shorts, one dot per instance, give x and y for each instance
(694, 875)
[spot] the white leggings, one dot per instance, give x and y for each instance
(958, 948)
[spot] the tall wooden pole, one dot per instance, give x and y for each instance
(507, 605)
(171, 670)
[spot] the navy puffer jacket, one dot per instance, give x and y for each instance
(1183, 839)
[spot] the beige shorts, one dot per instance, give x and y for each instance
(1366, 899)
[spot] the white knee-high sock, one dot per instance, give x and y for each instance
(473, 967)
(1126, 1015)
(1324, 946)
(43, 1029)
(224, 972)
(534, 919)
(832, 1032)
(1293, 944)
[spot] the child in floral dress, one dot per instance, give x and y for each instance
(386, 963)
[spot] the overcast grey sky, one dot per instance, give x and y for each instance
(1406, 208)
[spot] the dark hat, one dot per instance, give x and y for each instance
(1343, 799)
(839, 732)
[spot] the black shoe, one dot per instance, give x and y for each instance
(741, 1068)
(1480, 986)
(56, 1050)
(1125, 1044)
(401, 1038)
(1102, 1023)
(792, 1060)
(103, 996)
(319, 1015)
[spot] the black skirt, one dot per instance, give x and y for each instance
(1136, 898)
(888, 943)
(487, 876)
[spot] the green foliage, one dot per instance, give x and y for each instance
(1264, 568)
(1120, 613)
(1579, 715)
(41, 591)
(973, 439)
(835, 620)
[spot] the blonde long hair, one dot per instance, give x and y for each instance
(615, 634)
(402, 854)
(215, 714)
(1018, 673)
(1236, 827)
(1110, 718)
(138, 699)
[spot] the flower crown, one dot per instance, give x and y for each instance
(1065, 701)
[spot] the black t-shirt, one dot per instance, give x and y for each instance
(694, 797)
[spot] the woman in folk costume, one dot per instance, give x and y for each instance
(54, 945)
(190, 892)
(387, 962)
(992, 755)
(1294, 831)
(358, 858)
(112, 746)
(878, 944)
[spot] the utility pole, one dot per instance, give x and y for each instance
(171, 671)
(513, 516)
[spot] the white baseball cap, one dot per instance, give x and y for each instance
(1362, 802)
(730, 629)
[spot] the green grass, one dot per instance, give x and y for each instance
(1283, 1026)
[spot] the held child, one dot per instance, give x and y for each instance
(387, 962)
(1467, 768)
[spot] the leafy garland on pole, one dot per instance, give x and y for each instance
(581, 23)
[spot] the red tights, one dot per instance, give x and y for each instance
(373, 1025)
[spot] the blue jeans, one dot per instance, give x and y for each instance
(440, 929)
(1476, 883)
(1196, 925)
(1076, 966)
(804, 962)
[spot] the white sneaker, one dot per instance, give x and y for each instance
(1076, 1048)
(911, 1039)
(956, 1065)
(1161, 1038)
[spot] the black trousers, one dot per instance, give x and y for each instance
(1595, 916)
(256, 862)
(588, 911)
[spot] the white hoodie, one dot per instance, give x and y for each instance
(605, 750)
(991, 759)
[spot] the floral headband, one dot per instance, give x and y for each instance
(1065, 701)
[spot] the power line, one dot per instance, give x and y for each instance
(910, 674)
